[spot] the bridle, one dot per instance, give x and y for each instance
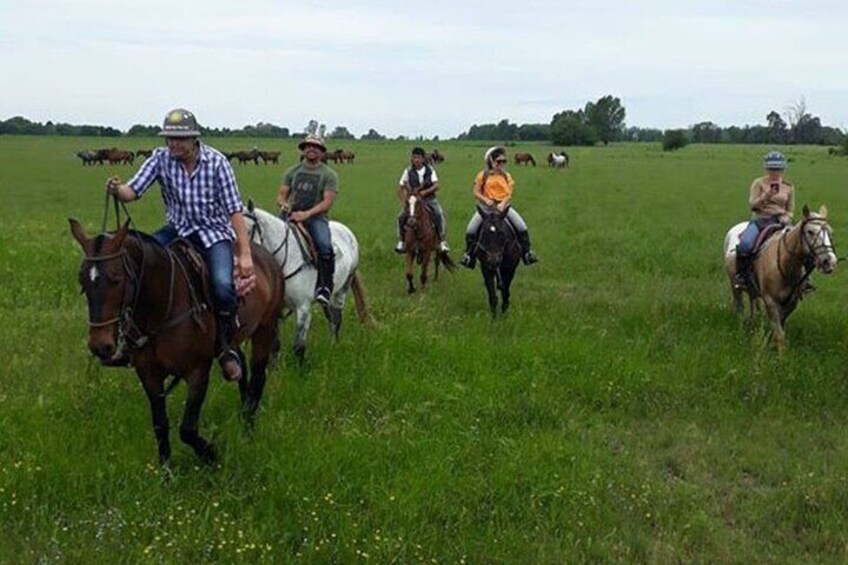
(814, 248)
(256, 229)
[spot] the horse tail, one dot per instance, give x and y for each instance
(532, 160)
(447, 261)
(361, 302)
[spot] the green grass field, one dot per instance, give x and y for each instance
(618, 413)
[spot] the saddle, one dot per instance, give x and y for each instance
(190, 259)
(765, 234)
(306, 243)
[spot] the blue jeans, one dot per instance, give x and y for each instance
(749, 236)
(319, 229)
(219, 261)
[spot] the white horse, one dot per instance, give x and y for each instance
(558, 160)
(279, 237)
(782, 266)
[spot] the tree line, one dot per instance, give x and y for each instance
(601, 121)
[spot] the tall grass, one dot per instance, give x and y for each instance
(618, 413)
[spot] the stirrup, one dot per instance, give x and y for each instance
(230, 365)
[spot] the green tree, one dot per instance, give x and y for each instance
(373, 134)
(341, 132)
(606, 116)
(674, 139)
(570, 127)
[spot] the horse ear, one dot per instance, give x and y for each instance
(823, 211)
(250, 205)
(806, 211)
(119, 235)
(79, 233)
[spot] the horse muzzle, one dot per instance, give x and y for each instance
(108, 354)
(828, 264)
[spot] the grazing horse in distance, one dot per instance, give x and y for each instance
(244, 156)
(143, 153)
(270, 156)
(781, 267)
(348, 156)
(116, 156)
(421, 241)
(280, 237)
(334, 156)
(499, 253)
(435, 157)
(524, 158)
(558, 160)
(150, 303)
(88, 157)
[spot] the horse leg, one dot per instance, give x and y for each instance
(262, 345)
(304, 320)
(153, 385)
(334, 317)
(425, 266)
(506, 281)
(489, 280)
(410, 286)
(775, 316)
(197, 382)
(244, 393)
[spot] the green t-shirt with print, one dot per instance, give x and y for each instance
(307, 185)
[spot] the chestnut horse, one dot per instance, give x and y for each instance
(524, 158)
(782, 266)
(499, 254)
(420, 241)
(147, 301)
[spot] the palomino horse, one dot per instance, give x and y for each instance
(279, 236)
(558, 160)
(524, 158)
(499, 254)
(145, 300)
(782, 266)
(420, 241)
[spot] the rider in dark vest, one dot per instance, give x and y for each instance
(421, 179)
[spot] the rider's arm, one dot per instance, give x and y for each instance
(123, 191)
(283, 196)
(430, 190)
(756, 196)
(478, 192)
(242, 245)
(402, 192)
(322, 206)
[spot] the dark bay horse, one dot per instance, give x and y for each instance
(524, 158)
(146, 300)
(421, 241)
(782, 266)
(499, 254)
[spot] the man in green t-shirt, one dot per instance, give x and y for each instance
(306, 194)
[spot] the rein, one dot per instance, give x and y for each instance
(283, 246)
(809, 257)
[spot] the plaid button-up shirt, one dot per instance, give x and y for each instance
(201, 203)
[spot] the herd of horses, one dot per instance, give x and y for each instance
(113, 156)
(556, 160)
(151, 304)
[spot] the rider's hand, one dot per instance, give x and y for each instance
(245, 276)
(113, 184)
(298, 216)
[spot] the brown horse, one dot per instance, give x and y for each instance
(524, 158)
(782, 266)
(421, 241)
(348, 156)
(146, 300)
(435, 157)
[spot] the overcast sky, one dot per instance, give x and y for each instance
(420, 68)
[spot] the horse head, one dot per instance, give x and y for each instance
(495, 236)
(817, 238)
(110, 286)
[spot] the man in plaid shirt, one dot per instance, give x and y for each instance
(203, 205)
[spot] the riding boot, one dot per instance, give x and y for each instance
(324, 285)
(742, 280)
(227, 356)
(468, 259)
(527, 254)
